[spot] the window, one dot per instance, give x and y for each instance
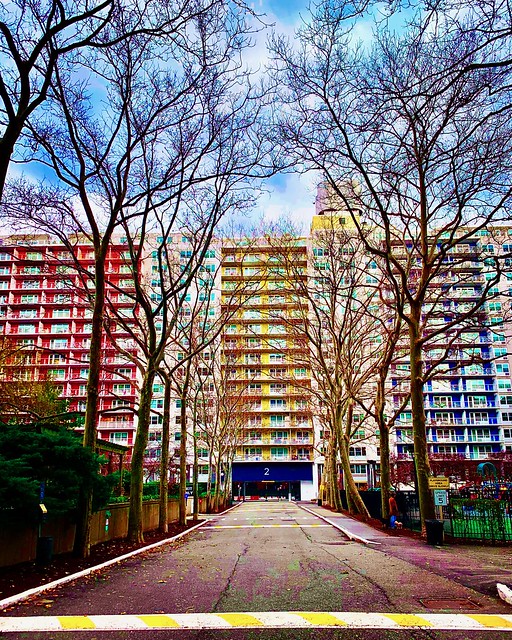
(357, 452)
(123, 373)
(506, 416)
(61, 313)
(60, 328)
(358, 468)
(58, 343)
(29, 284)
(503, 368)
(120, 402)
(277, 403)
(121, 437)
(121, 389)
(28, 313)
(277, 420)
(300, 372)
(278, 453)
(157, 403)
(447, 449)
(507, 433)
(58, 374)
(27, 328)
(252, 452)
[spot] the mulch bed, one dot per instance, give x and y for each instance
(22, 577)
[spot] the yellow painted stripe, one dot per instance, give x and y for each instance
(156, 620)
(490, 621)
(240, 619)
(321, 619)
(76, 622)
(408, 620)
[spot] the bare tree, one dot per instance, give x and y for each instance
(175, 118)
(427, 153)
(33, 37)
(37, 39)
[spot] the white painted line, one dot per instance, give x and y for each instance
(346, 532)
(19, 597)
(260, 620)
(266, 526)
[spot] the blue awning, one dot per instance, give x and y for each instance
(272, 471)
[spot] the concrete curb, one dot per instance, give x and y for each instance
(19, 597)
(346, 532)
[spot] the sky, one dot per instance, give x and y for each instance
(286, 195)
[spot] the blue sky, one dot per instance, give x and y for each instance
(288, 195)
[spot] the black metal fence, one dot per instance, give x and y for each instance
(476, 514)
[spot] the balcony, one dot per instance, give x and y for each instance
(454, 404)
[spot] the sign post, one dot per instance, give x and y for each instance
(439, 485)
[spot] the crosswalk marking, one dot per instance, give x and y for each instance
(409, 620)
(266, 619)
(320, 619)
(76, 622)
(159, 621)
(241, 620)
(490, 621)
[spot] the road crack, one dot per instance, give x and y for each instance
(227, 587)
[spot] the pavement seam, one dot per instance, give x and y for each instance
(24, 595)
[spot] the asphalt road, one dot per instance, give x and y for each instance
(259, 557)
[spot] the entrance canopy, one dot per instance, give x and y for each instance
(272, 471)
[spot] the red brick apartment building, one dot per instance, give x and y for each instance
(44, 306)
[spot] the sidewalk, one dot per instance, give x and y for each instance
(475, 566)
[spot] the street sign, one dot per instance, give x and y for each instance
(440, 498)
(441, 482)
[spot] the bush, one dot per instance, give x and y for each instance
(32, 458)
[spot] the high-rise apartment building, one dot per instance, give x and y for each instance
(44, 307)
(263, 351)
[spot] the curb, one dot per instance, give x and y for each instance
(346, 532)
(19, 597)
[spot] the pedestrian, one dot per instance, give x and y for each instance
(393, 510)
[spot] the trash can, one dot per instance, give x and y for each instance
(319, 502)
(44, 550)
(435, 531)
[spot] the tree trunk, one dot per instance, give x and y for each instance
(426, 502)
(163, 514)
(354, 501)
(183, 457)
(334, 498)
(135, 533)
(82, 545)
(385, 475)
(195, 486)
